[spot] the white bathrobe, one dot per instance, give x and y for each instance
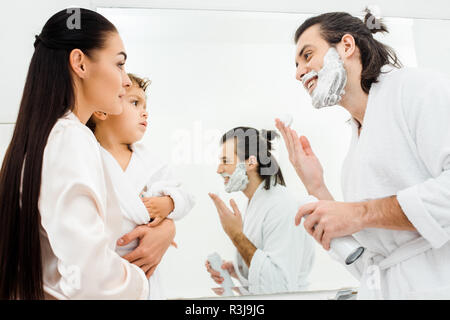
(145, 174)
(285, 252)
(404, 150)
(81, 221)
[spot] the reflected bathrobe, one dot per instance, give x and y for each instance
(81, 221)
(285, 252)
(404, 150)
(148, 175)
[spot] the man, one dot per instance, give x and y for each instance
(273, 256)
(396, 176)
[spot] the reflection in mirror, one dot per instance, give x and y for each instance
(272, 254)
(213, 71)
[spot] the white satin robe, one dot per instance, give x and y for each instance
(285, 252)
(81, 221)
(148, 174)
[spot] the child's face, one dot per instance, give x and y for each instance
(131, 124)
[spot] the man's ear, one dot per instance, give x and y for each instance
(77, 61)
(99, 115)
(348, 45)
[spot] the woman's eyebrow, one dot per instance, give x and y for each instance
(124, 54)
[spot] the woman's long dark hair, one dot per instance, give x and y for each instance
(248, 142)
(48, 94)
(374, 54)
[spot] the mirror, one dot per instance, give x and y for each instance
(216, 70)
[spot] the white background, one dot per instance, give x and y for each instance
(212, 70)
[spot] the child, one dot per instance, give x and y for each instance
(145, 186)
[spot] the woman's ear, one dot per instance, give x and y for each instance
(77, 61)
(99, 115)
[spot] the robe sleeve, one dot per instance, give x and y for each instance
(163, 182)
(275, 266)
(426, 112)
(72, 207)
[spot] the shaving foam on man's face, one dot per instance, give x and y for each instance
(237, 181)
(329, 82)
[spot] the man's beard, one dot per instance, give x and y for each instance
(238, 180)
(331, 80)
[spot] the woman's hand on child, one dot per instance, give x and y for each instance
(153, 244)
(158, 208)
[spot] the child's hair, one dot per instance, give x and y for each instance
(142, 83)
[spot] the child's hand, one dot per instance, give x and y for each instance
(158, 208)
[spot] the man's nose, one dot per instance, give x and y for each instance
(301, 71)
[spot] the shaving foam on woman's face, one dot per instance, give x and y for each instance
(329, 82)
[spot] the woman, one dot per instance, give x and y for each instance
(273, 255)
(60, 217)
